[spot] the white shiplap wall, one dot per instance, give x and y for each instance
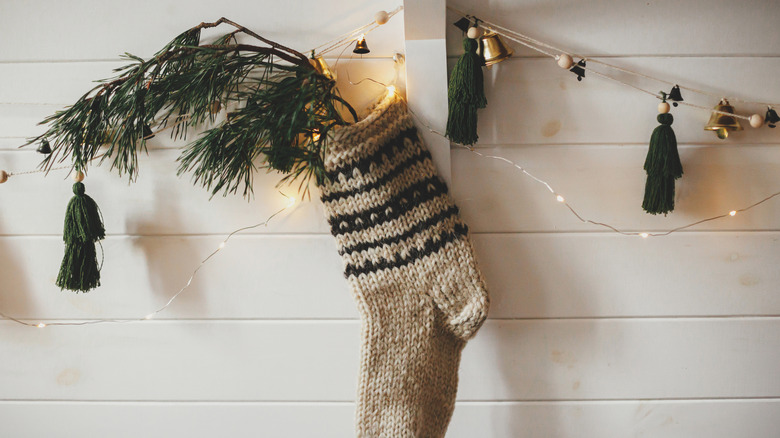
(591, 334)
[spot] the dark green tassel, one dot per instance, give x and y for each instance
(80, 271)
(663, 167)
(466, 94)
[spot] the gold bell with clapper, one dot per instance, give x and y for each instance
(723, 123)
(319, 64)
(493, 48)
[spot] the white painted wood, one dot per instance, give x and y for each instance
(252, 277)
(533, 101)
(650, 419)
(606, 184)
(610, 328)
(595, 275)
(614, 27)
(317, 360)
(93, 29)
(530, 276)
(426, 70)
(647, 419)
(158, 203)
(530, 101)
(44, 88)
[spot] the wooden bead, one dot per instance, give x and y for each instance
(474, 33)
(381, 17)
(78, 176)
(756, 120)
(3, 176)
(565, 61)
(663, 107)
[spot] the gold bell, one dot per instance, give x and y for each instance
(722, 123)
(493, 48)
(319, 64)
(361, 47)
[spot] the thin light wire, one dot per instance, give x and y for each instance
(151, 315)
(531, 43)
(561, 199)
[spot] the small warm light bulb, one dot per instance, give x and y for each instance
(41, 325)
(391, 89)
(149, 316)
(559, 198)
(644, 235)
(291, 201)
(315, 136)
(733, 213)
(221, 245)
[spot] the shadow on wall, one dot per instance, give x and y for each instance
(15, 292)
(170, 260)
(533, 355)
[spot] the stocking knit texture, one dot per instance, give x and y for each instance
(411, 269)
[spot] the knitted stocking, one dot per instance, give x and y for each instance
(411, 269)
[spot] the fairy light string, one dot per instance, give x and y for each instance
(291, 201)
(558, 197)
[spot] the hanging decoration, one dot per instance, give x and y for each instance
(675, 95)
(662, 165)
(493, 48)
(466, 94)
(80, 271)
(44, 148)
(771, 117)
(361, 47)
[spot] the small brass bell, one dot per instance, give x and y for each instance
(361, 47)
(722, 123)
(148, 132)
(319, 64)
(494, 50)
(44, 148)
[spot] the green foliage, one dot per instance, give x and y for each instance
(663, 166)
(465, 94)
(277, 104)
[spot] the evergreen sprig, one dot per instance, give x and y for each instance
(281, 112)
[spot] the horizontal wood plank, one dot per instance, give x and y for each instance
(318, 361)
(606, 184)
(92, 29)
(40, 89)
(533, 101)
(615, 27)
(529, 276)
(650, 419)
(530, 101)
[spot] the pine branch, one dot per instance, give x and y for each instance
(284, 110)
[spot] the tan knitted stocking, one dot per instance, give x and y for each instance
(411, 269)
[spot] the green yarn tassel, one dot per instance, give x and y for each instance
(466, 94)
(663, 167)
(80, 271)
